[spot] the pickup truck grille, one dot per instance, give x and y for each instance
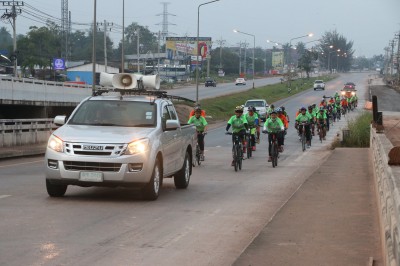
(94, 149)
(92, 166)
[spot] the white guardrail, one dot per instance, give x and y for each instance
(40, 90)
(388, 190)
(18, 132)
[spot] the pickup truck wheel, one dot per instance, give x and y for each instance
(55, 190)
(181, 178)
(152, 189)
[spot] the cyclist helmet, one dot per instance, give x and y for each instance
(239, 109)
(303, 108)
(283, 108)
(278, 110)
(314, 104)
(254, 109)
(321, 109)
(250, 109)
(273, 111)
(310, 107)
(197, 108)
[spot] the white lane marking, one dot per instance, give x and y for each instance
(7, 165)
(4, 196)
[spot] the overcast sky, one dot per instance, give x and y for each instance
(370, 24)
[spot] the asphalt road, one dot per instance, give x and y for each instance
(210, 223)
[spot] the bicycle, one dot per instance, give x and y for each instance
(249, 145)
(321, 131)
(237, 151)
(198, 155)
(274, 149)
(303, 135)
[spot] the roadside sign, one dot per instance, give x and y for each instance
(58, 63)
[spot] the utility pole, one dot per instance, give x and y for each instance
(398, 58)
(13, 15)
(105, 25)
(391, 43)
(240, 58)
(245, 45)
(137, 49)
(220, 42)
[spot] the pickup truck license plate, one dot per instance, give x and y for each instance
(91, 176)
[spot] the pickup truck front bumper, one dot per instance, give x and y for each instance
(125, 170)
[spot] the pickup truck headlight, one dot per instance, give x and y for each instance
(137, 146)
(55, 143)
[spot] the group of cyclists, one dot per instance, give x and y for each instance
(311, 119)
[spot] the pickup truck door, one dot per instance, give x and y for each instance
(169, 140)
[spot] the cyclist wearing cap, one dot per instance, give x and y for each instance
(285, 123)
(270, 109)
(197, 107)
(239, 126)
(252, 121)
(311, 112)
(201, 128)
(303, 117)
(285, 113)
(274, 126)
(321, 121)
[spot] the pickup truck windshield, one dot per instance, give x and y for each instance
(115, 113)
(255, 104)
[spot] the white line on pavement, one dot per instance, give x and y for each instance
(4, 196)
(7, 165)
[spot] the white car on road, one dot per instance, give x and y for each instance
(260, 104)
(240, 81)
(319, 85)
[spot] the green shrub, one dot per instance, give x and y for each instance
(359, 131)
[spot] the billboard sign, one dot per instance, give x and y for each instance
(186, 46)
(277, 59)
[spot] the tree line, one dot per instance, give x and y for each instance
(41, 44)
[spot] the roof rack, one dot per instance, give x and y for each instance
(157, 93)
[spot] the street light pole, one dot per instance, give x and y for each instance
(94, 49)
(290, 44)
(197, 48)
(254, 46)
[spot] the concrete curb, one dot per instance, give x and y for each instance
(388, 194)
(19, 151)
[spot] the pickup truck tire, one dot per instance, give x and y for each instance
(152, 189)
(182, 177)
(55, 190)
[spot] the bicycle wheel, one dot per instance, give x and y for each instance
(248, 146)
(303, 140)
(198, 155)
(240, 158)
(274, 154)
(235, 157)
(320, 133)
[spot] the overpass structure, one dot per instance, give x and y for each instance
(31, 98)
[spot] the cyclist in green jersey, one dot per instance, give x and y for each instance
(201, 128)
(311, 112)
(239, 126)
(252, 121)
(321, 120)
(274, 126)
(303, 117)
(269, 110)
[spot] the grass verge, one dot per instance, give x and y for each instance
(359, 131)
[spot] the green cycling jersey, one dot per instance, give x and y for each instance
(273, 125)
(200, 123)
(237, 123)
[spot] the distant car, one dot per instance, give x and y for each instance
(348, 90)
(350, 86)
(319, 85)
(210, 82)
(261, 106)
(240, 81)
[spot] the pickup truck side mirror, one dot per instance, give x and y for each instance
(172, 124)
(60, 120)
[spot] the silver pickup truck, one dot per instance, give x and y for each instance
(120, 140)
